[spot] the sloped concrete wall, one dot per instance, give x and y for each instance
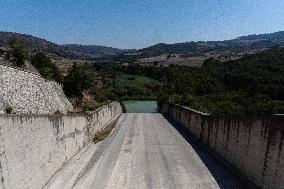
(34, 147)
(103, 117)
(253, 145)
(29, 93)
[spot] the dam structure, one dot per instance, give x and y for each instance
(177, 147)
(150, 150)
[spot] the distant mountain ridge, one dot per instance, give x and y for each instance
(74, 51)
(95, 50)
(244, 43)
(35, 44)
(275, 37)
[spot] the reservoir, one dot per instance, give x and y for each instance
(133, 106)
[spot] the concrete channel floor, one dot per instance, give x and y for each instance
(145, 151)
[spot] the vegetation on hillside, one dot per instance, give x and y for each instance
(46, 67)
(19, 51)
(95, 51)
(252, 85)
(130, 87)
(241, 44)
(35, 44)
(76, 81)
(40, 61)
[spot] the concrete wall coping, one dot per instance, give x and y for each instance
(190, 109)
(59, 115)
(193, 110)
(207, 114)
(101, 107)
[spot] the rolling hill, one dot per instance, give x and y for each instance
(35, 44)
(95, 50)
(74, 51)
(237, 45)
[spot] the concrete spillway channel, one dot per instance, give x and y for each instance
(145, 151)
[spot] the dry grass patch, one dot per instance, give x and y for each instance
(101, 135)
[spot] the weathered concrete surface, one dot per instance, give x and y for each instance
(34, 147)
(29, 93)
(253, 145)
(145, 151)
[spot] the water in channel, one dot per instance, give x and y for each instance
(133, 106)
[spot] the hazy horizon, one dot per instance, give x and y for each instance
(138, 24)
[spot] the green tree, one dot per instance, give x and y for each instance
(46, 67)
(76, 80)
(19, 52)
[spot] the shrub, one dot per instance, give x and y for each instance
(9, 109)
(76, 80)
(57, 112)
(101, 135)
(89, 106)
(19, 51)
(46, 67)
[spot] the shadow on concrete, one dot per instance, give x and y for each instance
(224, 174)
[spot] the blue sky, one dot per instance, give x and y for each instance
(140, 23)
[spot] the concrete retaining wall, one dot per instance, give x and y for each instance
(34, 147)
(29, 93)
(253, 145)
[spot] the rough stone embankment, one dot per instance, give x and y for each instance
(34, 147)
(29, 93)
(253, 145)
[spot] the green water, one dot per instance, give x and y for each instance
(133, 106)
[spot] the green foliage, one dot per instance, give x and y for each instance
(46, 67)
(129, 87)
(109, 68)
(87, 106)
(102, 95)
(19, 52)
(252, 85)
(76, 81)
(9, 109)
